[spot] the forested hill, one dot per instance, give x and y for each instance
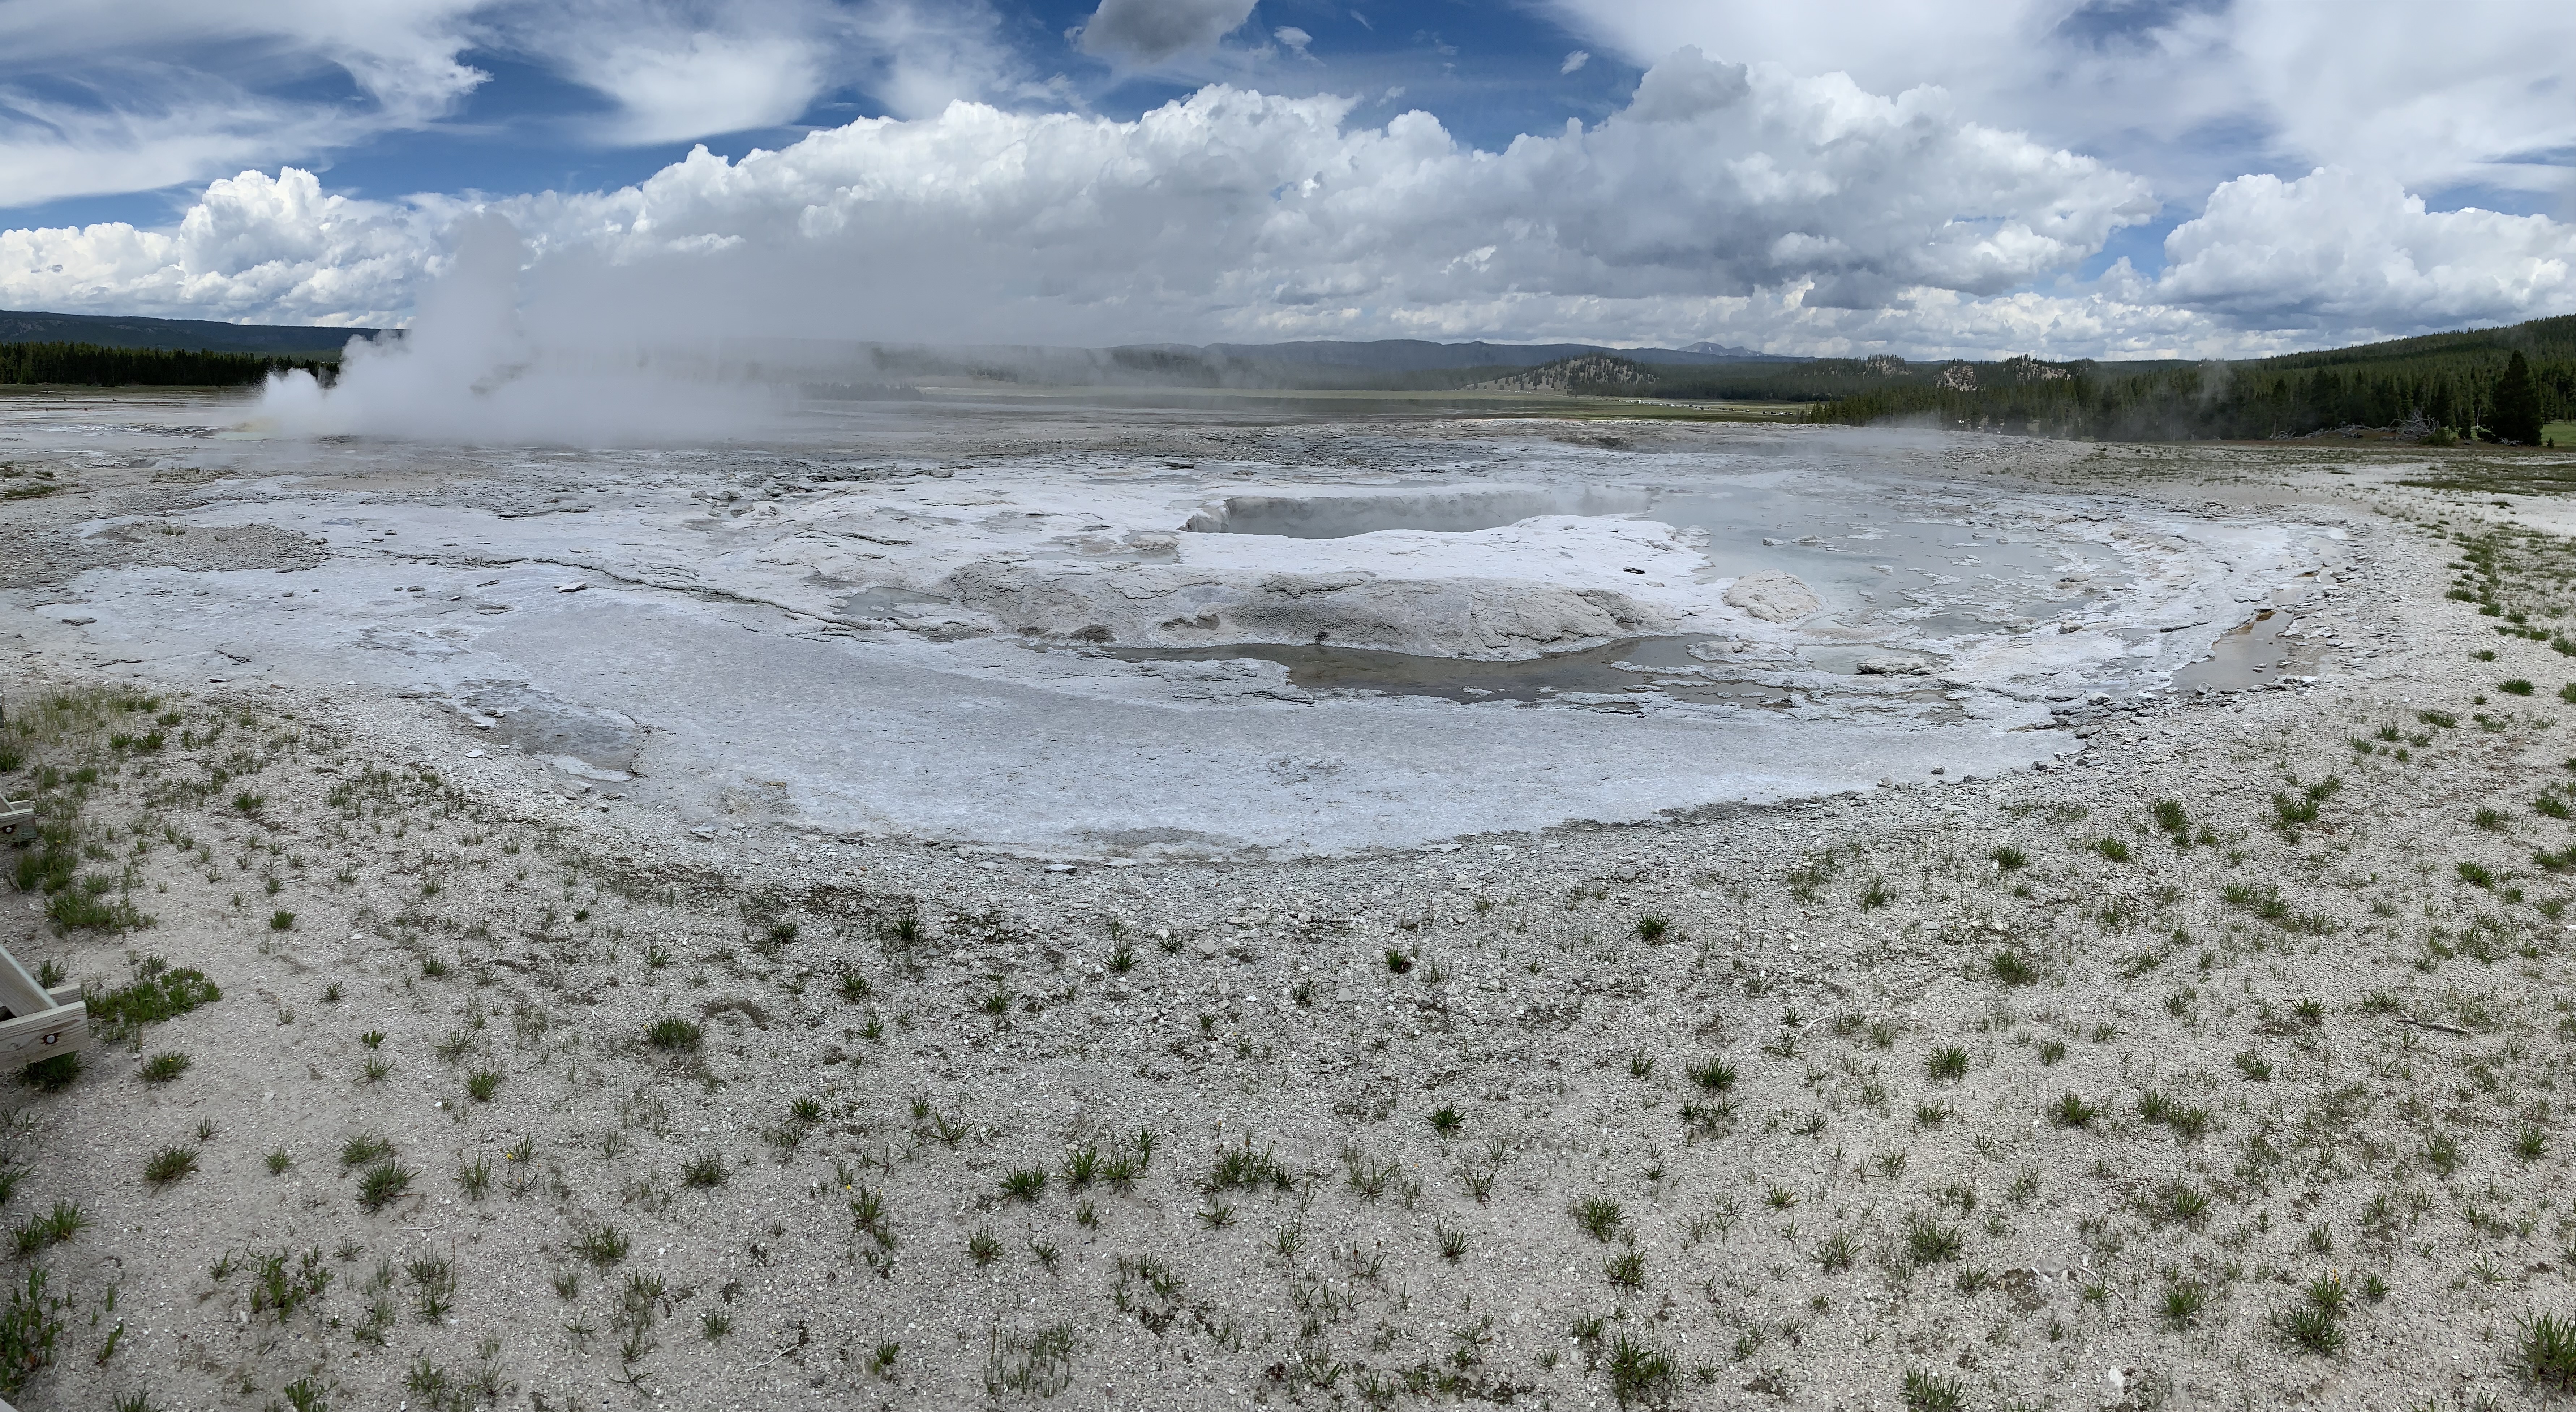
(88, 364)
(112, 350)
(201, 335)
(2503, 384)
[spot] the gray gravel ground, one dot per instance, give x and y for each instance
(2215, 1066)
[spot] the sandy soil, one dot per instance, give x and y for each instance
(2212, 1065)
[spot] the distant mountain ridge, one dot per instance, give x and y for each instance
(193, 335)
(1590, 374)
(1385, 355)
(1729, 353)
(1415, 355)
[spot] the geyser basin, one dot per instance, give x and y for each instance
(1650, 664)
(1033, 635)
(1882, 564)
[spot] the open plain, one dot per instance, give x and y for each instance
(1128, 909)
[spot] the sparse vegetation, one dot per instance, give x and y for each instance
(169, 1165)
(673, 1033)
(2255, 1015)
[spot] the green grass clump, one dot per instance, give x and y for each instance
(50, 1075)
(1713, 1075)
(29, 1325)
(363, 1149)
(673, 1033)
(2443, 1151)
(2545, 1350)
(1640, 1372)
(88, 908)
(382, 1184)
(52, 1228)
(1599, 1216)
(1927, 1241)
(169, 1165)
(162, 1068)
(158, 992)
(2173, 821)
(2182, 1304)
(1932, 1392)
(2315, 1323)
(602, 1245)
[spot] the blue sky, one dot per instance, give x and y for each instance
(1489, 71)
(2078, 177)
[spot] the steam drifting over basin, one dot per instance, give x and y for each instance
(1146, 635)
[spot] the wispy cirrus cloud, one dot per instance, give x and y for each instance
(98, 99)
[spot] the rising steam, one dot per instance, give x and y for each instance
(481, 365)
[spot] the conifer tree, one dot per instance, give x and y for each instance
(2517, 404)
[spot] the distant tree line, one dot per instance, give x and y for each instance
(2493, 384)
(93, 365)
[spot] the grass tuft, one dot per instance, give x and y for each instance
(2544, 1348)
(1640, 1372)
(1926, 1391)
(169, 1165)
(674, 1033)
(382, 1184)
(1599, 1216)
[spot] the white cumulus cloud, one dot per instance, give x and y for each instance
(252, 248)
(1233, 211)
(2187, 92)
(1733, 202)
(2335, 249)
